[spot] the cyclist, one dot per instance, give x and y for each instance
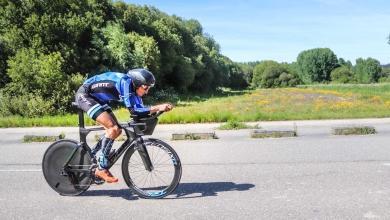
(96, 93)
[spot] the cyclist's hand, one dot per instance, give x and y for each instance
(165, 107)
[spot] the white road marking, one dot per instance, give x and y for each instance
(20, 170)
(370, 215)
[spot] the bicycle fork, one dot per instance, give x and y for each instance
(143, 152)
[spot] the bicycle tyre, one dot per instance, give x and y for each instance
(164, 159)
(52, 165)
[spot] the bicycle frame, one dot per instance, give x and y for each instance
(133, 138)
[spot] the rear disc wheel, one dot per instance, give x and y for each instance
(68, 183)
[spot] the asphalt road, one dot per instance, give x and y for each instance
(313, 176)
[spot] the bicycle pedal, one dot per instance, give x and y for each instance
(98, 181)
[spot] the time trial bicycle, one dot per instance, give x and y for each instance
(150, 167)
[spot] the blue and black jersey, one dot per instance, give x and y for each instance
(113, 86)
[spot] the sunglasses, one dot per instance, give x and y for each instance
(146, 87)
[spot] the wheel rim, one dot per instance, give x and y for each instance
(158, 181)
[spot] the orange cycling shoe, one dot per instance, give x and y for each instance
(106, 176)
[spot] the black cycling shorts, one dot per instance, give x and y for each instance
(90, 105)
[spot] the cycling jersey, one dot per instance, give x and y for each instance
(99, 90)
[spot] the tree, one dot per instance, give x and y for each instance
(367, 70)
(39, 76)
(64, 41)
(315, 65)
(347, 63)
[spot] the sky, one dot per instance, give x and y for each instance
(249, 30)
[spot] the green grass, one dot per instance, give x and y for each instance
(305, 102)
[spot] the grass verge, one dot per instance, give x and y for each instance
(302, 103)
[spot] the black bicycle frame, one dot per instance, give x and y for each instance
(133, 137)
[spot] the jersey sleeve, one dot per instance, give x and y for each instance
(137, 107)
(131, 100)
(125, 92)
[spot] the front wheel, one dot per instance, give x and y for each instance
(162, 179)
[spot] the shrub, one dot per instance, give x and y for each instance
(367, 70)
(28, 105)
(278, 76)
(342, 75)
(258, 71)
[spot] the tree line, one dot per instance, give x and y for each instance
(318, 65)
(48, 48)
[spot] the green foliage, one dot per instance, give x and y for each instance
(33, 76)
(29, 105)
(268, 74)
(48, 47)
(342, 74)
(367, 70)
(342, 62)
(278, 76)
(258, 71)
(385, 75)
(315, 65)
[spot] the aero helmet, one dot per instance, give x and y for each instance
(141, 77)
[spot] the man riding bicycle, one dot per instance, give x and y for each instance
(94, 96)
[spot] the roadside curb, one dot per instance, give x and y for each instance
(165, 131)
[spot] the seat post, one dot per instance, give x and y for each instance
(82, 131)
(81, 118)
(81, 115)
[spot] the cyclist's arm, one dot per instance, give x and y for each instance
(132, 102)
(137, 108)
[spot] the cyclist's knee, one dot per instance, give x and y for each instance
(114, 132)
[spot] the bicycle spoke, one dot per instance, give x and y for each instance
(161, 179)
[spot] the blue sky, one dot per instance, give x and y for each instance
(279, 30)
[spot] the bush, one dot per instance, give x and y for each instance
(29, 105)
(258, 71)
(278, 76)
(38, 80)
(342, 75)
(367, 70)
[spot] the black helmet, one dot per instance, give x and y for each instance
(141, 77)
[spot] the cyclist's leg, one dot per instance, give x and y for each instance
(102, 115)
(112, 132)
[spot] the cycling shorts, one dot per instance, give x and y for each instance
(90, 105)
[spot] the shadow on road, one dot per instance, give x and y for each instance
(183, 191)
(193, 190)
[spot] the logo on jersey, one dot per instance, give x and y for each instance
(100, 85)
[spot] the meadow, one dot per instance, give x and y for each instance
(299, 103)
